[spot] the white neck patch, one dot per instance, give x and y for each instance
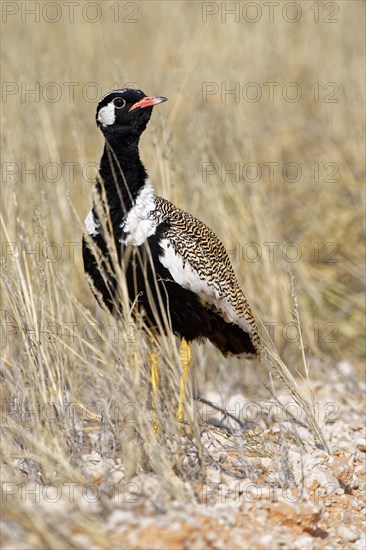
(140, 222)
(107, 115)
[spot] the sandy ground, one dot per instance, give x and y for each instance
(267, 487)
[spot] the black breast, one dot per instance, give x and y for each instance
(164, 304)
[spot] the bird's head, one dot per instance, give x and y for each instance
(125, 112)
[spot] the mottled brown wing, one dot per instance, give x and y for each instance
(197, 260)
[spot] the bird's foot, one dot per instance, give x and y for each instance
(185, 356)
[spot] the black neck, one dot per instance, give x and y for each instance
(122, 175)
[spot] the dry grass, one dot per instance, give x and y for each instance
(67, 359)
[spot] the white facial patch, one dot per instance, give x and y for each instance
(140, 223)
(90, 224)
(107, 115)
(187, 277)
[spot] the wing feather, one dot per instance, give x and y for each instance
(198, 261)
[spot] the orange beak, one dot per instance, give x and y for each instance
(148, 102)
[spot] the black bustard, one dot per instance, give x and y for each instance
(177, 272)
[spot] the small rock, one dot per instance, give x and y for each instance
(340, 470)
(82, 541)
(361, 543)
(118, 518)
(305, 542)
(302, 464)
(355, 427)
(357, 504)
(266, 540)
(318, 477)
(213, 475)
(345, 368)
(361, 444)
(354, 482)
(351, 535)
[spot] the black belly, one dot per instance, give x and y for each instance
(164, 304)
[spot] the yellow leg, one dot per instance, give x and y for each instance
(154, 369)
(185, 356)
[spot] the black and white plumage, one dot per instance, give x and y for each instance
(177, 271)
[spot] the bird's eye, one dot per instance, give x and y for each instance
(119, 102)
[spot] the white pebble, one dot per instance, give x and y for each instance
(361, 444)
(351, 535)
